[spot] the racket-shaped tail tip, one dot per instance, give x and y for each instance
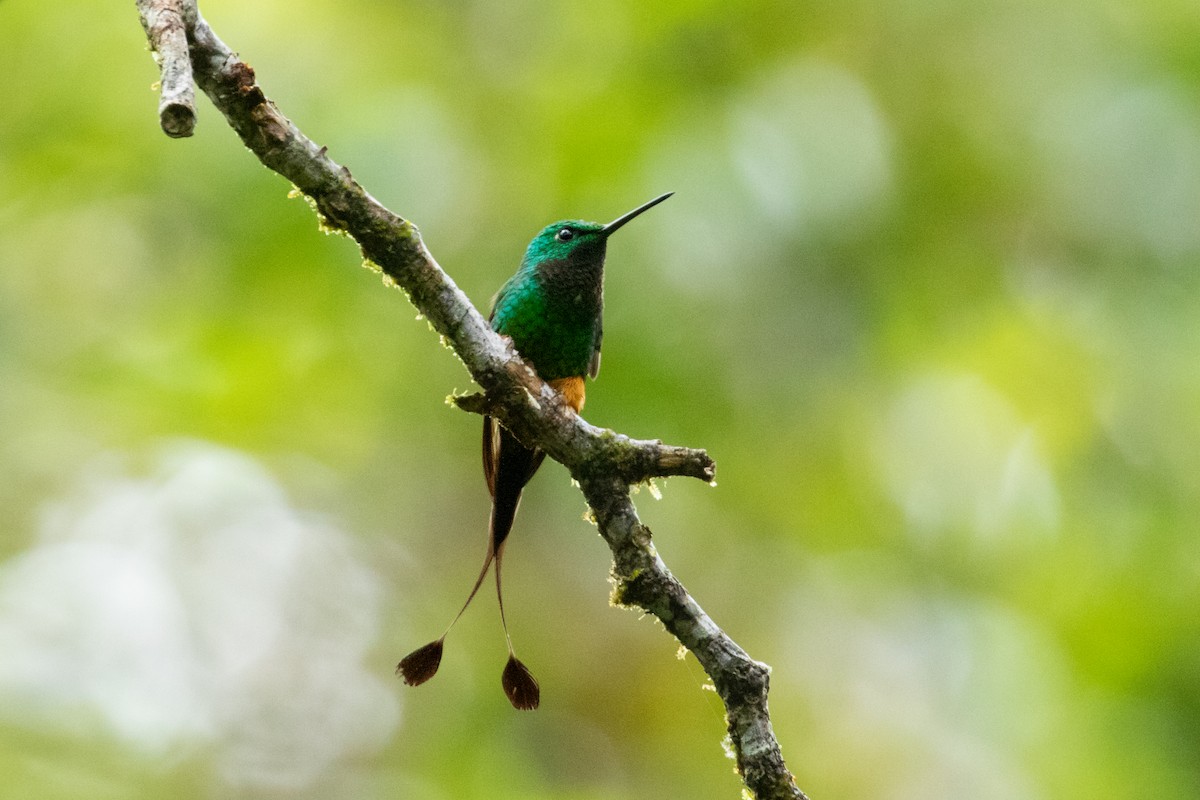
(421, 664)
(520, 685)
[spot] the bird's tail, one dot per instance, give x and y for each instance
(507, 467)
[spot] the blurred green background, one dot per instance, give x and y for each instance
(927, 292)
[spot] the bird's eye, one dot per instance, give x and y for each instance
(565, 235)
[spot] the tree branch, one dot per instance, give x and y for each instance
(604, 463)
(167, 31)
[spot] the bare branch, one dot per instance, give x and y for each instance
(597, 451)
(167, 31)
(604, 463)
(642, 579)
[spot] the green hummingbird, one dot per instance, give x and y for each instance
(551, 309)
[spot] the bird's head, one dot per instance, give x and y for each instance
(577, 242)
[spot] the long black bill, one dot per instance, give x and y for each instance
(621, 220)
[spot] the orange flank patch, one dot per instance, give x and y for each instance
(572, 391)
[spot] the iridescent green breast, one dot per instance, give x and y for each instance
(552, 314)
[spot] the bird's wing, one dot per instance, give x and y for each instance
(498, 298)
(501, 447)
(594, 364)
(507, 467)
(491, 452)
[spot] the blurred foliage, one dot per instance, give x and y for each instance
(927, 291)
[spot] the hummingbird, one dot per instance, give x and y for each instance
(551, 309)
